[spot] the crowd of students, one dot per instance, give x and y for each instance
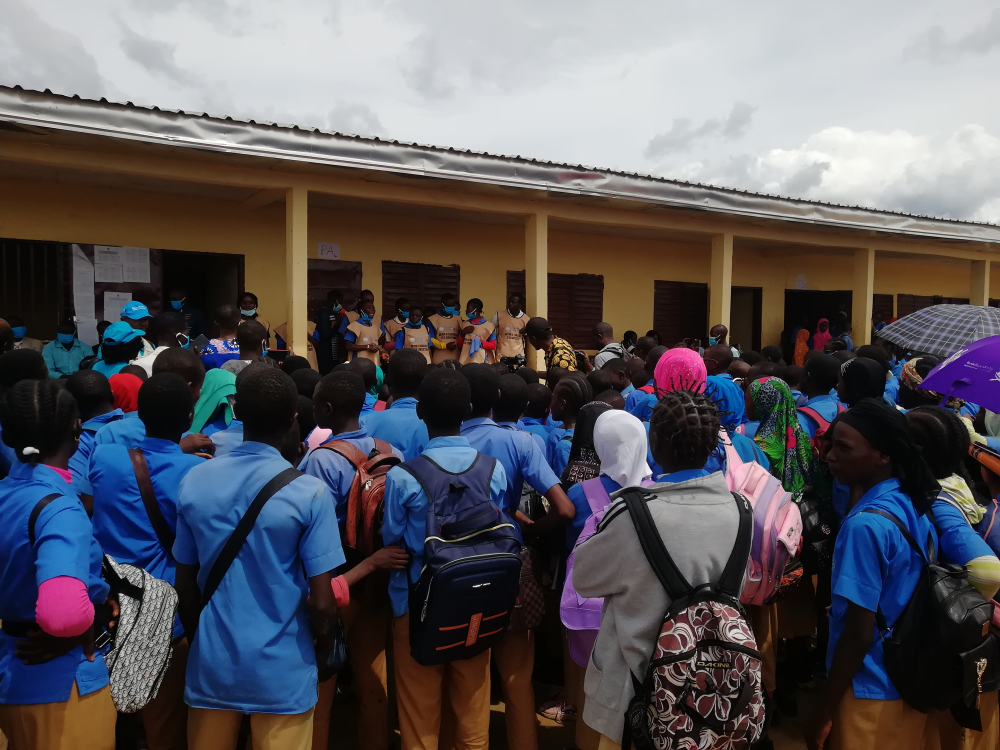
(427, 402)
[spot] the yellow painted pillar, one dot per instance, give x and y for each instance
(296, 267)
(863, 289)
(536, 275)
(720, 285)
(979, 294)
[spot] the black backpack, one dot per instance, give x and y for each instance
(938, 653)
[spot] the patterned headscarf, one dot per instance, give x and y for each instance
(912, 379)
(680, 370)
(781, 437)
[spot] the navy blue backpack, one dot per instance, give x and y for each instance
(462, 602)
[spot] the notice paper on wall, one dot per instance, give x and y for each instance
(118, 265)
(108, 273)
(108, 254)
(83, 284)
(113, 304)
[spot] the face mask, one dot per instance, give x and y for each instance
(65, 338)
(404, 316)
(365, 318)
(177, 304)
(19, 331)
(450, 310)
(338, 307)
(249, 313)
(712, 341)
(263, 349)
(474, 315)
(184, 340)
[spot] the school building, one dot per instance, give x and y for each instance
(287, 213)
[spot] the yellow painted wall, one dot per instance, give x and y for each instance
(73, 213)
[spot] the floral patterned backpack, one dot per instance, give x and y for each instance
(702, 688)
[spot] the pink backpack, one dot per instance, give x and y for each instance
(582, 617)
(777, 524)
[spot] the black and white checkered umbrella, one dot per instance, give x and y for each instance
(943, 329)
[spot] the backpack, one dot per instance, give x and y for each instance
(702, 687)
(582, 617)
(142, 639)
(462, 602)
(939, 649)
(365, 503)
(777, 524)
(821, 424)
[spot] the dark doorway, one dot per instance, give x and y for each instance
(745, 313)
(209, 280)
(31, 276)
(421, 283)
(680, 311)
(811, 306)
(342, 275)
(576, 304)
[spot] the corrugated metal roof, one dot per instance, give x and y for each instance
(272, 140)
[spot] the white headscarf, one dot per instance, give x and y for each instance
(620, 442)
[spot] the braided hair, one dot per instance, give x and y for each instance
(37, 416)
(576, 390)
(944, 439)
(687, 425)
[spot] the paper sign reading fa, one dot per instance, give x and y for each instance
(329, 250)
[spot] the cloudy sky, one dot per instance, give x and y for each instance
(885, 103)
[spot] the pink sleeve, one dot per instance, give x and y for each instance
(64, 608)
(341, 591)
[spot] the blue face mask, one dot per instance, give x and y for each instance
(185, 338)
(450, 310)
(338, 307)
(404, 315)
(66, 338)
(474, 315)
(249, 313)
(365, 318)
(177, 304)
(712, 341)
(263, 351)
(19, 331)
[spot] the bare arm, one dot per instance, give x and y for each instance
(323, 616)
(188, 598)
(857, 638)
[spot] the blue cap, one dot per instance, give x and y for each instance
(121, 332)
(135, 311)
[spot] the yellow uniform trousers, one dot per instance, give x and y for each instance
(422, 692)
(80, 722)
(215, 729)
(865, 724)
(944, 733)
(165, 717)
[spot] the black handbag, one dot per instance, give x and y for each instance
(819, 532)
(335, 658)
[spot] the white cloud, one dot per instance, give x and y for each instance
(956, 177)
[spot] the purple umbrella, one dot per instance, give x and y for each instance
(971, 374)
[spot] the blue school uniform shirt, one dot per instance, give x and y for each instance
(108, 370)
(400, 427)
(253, 651)
(750, 428)
(745, 448)
(642, 403)
(336, 471)
(873, 566)
(825, 406)
(628, 390)
(128, 432)
(121, 524)
(535, 427)
(227, 439)
(7, 458)
(405, 520)
(577, 496)
(799, 397)
(960, 543)
(557, 447)
(539, 440)
(79, 462)
(517, 452)
(64, 546)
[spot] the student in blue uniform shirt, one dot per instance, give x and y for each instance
(421, 691)
(15, 366)
(617, 368)
(399, 424)
(640, 403)
(96, 404)
(536, 413)
(569, 396)
(124, 529)
(51, 585)
(64, 355)
(821, 373)
(337, 405)
(873, 454)
(509, 409)
(253, 643)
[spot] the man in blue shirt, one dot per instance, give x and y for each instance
(821, 373)
(128, 533)
(521, 460)
(97, 408)
(421, 691)
(337, 403)
(64, 355)
(399, 425)
(253, 645)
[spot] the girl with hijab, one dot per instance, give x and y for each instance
(729, 400)
(214, 410)
(801, 347)
(125, 389)
(583, 462)
(786, 445)
(821, 336)
(872, 453)
(680, 370)
(860, 378)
